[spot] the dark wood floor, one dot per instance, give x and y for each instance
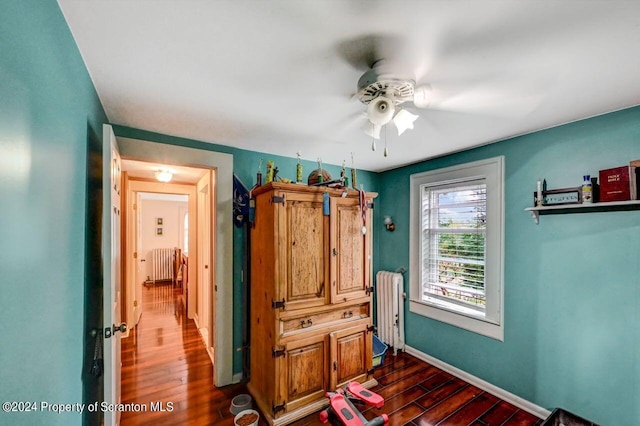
(165, 361)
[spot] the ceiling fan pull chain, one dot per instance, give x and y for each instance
(386, 152)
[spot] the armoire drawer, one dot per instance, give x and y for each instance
(323, 318)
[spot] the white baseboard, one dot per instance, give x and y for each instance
(521, 403)
(195, 320)
(237, 378)
(204, 336)
(211, 355)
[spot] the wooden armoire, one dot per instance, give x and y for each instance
(311, 297)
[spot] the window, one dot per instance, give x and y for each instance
(456, 246)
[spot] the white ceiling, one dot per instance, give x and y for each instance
(145, 170)
(279, 76)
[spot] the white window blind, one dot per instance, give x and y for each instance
(456, 246)
(453, 252)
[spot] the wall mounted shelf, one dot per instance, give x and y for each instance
(583, 208)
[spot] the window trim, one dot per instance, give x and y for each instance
(492, 170)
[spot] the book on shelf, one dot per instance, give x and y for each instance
(634, 178)
(615, 184)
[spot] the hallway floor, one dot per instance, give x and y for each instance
(164, 360)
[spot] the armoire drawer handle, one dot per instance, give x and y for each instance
(347, 314)
(307, 323)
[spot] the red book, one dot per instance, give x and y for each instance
(614, 184)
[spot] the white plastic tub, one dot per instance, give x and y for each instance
(238, 422)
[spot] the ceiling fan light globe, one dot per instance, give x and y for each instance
(404, 120)
(380, 110)
(371, 129)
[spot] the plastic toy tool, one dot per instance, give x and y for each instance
(342, 410)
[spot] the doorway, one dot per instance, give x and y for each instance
(219, 331)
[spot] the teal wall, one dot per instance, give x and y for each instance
(572, 283)
(245, 166)
(49, 114)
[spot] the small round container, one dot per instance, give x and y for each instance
(241, 420)
(240, 403)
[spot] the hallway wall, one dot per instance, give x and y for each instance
(169, 211)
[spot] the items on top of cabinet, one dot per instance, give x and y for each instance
(270, 167)
(259, 174)
(318, 176)
(299, 169)
(354, 182)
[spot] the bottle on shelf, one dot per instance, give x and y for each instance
(541, 187)
(595, 190)
(587, 190)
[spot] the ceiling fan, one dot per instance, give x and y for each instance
(384, 95)
(391, 84)
(388, 84)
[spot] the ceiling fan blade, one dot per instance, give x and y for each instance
(364, 51)
(422, 96)
(488, 101)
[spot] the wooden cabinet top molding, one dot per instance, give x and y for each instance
(294, 187)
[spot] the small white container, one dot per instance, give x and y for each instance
(240, 403)
(244, 413)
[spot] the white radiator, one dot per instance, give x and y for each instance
(390, 309)
(162, 261)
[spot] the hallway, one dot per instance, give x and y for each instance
(164, 360)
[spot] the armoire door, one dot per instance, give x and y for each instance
(303, 245)
(302, 371)
(351, 355)
(350, 250)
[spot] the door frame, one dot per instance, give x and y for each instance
(143, 150)
(111, 270)
(205, 254)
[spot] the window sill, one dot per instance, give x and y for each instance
(475, 325)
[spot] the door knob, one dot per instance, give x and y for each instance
(108, 332)
(121, 328)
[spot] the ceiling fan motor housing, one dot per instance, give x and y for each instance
(372, 84)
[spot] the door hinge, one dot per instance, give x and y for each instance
(135, 303)
(135, 206)
(370, 205)
(277, 304)
(276, 353)
(277, 199)
(277, 408)
(372, 329)
(135, 254)
(335, 366)
(368, 290)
